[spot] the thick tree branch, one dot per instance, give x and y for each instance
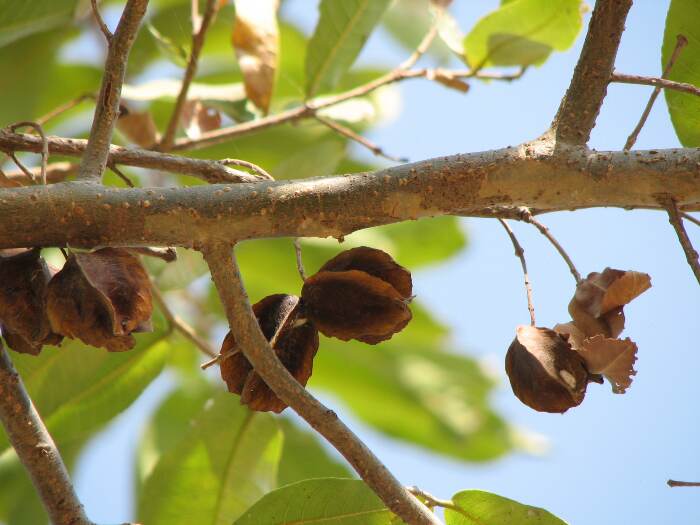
(492, 183)
(209, 170)
(226, 277)
(579, 108)
(107, 108)
(36, 449)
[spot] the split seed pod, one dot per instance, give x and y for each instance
(101, 298)
(544, 372)
(360, 294)
(24, 276)
(295, 341)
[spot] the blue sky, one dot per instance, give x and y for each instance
(607, 460)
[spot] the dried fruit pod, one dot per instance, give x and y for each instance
(24, 277)
(544, 372)
(360, 294)
(295, 341)
(101, 298)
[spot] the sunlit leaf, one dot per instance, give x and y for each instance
(476, 507)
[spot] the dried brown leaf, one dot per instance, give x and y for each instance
(354, 305)
(544, 372)
(138, 127)
(295, 341)
(197, 118)
(256, 41)
(101, 298)
(614, 358)
(374, 262)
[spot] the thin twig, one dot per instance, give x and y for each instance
(674, 483)
(199, 32)
(300, 259)
(27, 172)
(180, 325)
(350, 134)
(432, 501)
(245, 164)
(683, 87)
(55, 172)
(528, 217)
(227, 279)
(107, 108)
(44, 145)
(119, 173)
(520, 254)
(676, 221)
(36, 449)
(689, 217)
(164, 254)
(101, 23)
(681, 42)
(63, 108)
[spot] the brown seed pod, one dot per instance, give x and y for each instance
(295, 341)
(24, 276)
(101, 298)
(354, 305)
(374, 262)
(544, 372)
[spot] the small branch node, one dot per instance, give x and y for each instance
(101, 23)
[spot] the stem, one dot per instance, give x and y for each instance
(674, 483)
(350, 134)
(520, 254)
(36, 449)
(681, 42)
(107, 108)
(676, 221)
(657, 82)
(300, 259)
(227, 279)
(198, 36)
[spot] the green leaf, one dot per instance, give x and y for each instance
(319, 159)
(342, 30)
(330, 501)
(483, 508)
(303, 457)
(20, 18)
(683, 18)
(78, 389)
(224, 463)
(523, 33)
(174, 52)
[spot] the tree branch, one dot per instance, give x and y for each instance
(198, 35)
(36, 449)
(492, 183)
(227, 279)
(674, 217)
(656, 82)
(579, 108)
(212, 171)
(107, 108)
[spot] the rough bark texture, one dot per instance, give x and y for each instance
(473, 184)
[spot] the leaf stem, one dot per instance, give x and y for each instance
(520, 254)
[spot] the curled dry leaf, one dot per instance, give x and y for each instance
(138, 127)
(544, 371)
(24, 277)
(295, 341)
(256, 41)
(597, 305)
(197, 118)
(614, 358)
(101, 298)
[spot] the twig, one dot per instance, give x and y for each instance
(300, 259)
(674, 483)
(211, 171)
(63, 108)
(681, 42)
(121, 175)
(350, 134)
(580, 106)
(44, 145)
(520, 254)
(689, 217)
(55, 172)
(683, 87)
(27, 173)
(245, 164)
(528, 217)
(107, 108)
(164, 254)
(676, 221)
(432, 501)
(180, 325)
(199, 32)
(36, 449)
(227, 279)
(101, 23)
